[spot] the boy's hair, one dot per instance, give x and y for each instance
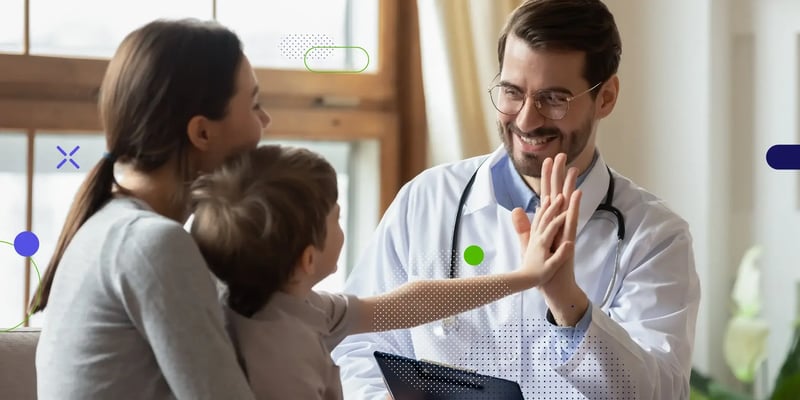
(254, 217)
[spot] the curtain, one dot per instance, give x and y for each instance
(458, 40)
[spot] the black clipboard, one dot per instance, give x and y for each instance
(410, 379)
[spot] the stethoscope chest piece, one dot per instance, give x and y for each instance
(450, 325)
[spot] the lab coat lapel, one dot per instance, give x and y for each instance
(594, 189)
(482, 193)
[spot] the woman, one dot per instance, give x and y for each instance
(131, 308)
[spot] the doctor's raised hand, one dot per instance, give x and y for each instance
(545, 247)
(542, 255)
(566, 301)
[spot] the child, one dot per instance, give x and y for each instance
(267, 225)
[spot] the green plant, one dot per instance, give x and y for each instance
(745, 342)
(787, 385)
(704, 388)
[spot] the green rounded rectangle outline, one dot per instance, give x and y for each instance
(305, 57)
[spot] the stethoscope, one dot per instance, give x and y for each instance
(451, 323)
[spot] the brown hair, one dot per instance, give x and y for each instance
(578, 25)
(162, 75)
(254, 217)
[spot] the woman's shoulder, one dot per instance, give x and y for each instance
(140, 225)
(134, 235)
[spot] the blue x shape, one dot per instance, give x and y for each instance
(64, 153)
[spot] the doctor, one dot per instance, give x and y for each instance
(619, 322)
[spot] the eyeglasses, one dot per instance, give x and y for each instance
(551, 104)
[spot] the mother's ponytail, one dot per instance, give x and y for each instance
(93, 193)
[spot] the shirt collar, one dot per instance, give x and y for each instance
(512, 191)
(594, 184)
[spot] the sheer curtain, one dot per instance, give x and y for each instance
(459, 59)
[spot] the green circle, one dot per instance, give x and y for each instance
(38, 296)
(473, 255)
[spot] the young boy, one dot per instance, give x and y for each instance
(267, 223)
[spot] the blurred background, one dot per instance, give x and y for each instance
(395, 86)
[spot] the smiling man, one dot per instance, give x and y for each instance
(616, 322)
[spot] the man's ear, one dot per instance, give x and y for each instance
(197, 131)
(607, 97)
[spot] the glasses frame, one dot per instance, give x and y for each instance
(537, 103)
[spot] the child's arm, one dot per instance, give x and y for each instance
(420, 302)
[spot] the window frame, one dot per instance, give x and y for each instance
(60, 94)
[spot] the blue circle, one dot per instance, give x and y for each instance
(26, 243)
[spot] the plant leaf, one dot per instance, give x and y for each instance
(695, 394)
(787, 388)
(744, 346)
(745, 292)
(788, 382)
(704, 388)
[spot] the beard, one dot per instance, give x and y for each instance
(530, 164)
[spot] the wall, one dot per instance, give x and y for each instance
(668, 133)
(776, 24)
(707, 86)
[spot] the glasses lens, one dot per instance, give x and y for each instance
(507, 100)
(554, 112)
(552, 105)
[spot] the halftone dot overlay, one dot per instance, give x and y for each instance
(24, 244)
(506, 345)
(295, 46)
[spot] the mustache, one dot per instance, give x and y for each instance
(537, 133)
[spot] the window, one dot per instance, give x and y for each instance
(12, 221)
(55, 187)
(94, 28)
(11, 25)
(277, 35)
(55, 182)
(352, 119)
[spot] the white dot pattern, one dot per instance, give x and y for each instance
(294, 46)
(499, 347)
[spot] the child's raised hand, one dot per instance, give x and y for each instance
(422, 301)
(540, 256)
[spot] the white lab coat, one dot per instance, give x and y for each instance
(637, 347)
